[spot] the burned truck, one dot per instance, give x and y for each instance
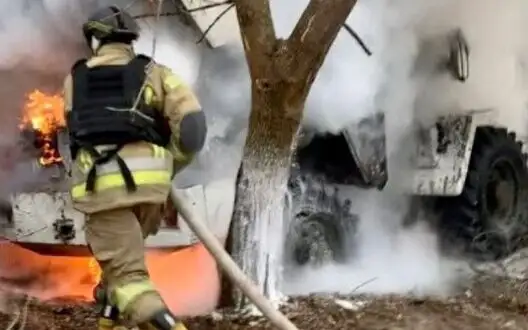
(468, 175)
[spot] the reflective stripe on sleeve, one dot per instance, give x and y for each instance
(172, 82)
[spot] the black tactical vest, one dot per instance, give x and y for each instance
(102, 113)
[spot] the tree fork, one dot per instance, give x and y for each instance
(282, 73)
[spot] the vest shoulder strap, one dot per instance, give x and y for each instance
(136, 75)
(140, 62)
(143, 58)
(77, 64)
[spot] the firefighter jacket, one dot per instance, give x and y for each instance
(151, 166)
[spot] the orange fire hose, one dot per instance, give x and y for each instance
(227, 264)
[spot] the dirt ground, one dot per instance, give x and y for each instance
(491, 303)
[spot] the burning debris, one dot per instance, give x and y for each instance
(43, 114)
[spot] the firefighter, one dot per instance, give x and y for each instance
(132, 125)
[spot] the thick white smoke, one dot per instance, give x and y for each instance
(404, 78)
(46, 36)
(389, 259)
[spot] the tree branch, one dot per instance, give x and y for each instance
(185, 11)
(257, 31)
(218, 18)
(209, 6)
(315, 32)
(358, 39)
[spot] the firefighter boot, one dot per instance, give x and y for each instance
(108, 318)
(164, 320)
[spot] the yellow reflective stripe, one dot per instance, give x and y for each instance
(105, 323)
(159, 152)
(172, 82)
(116, 180)
(127, 293)
(148, 95)
(180, 326)
(85, 161)
(134, 164)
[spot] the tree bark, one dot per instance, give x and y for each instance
(282, 72)
(257, 224)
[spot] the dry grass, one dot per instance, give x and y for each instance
(492, 302)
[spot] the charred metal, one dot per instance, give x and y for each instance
(355, 156)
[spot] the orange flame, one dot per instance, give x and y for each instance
(94, 270)
(44, 114)
(188, 278)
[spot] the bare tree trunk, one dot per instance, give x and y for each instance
(282, 73)
(261, 187)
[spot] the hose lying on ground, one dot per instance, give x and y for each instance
(227, 264)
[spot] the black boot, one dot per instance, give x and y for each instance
(108, 317)
(108, 314)
(164, 320)
(99, 294)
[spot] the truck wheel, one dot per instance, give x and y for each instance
(489, 218)
(321, 228)
(316, 240)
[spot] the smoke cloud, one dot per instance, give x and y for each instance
(389, 259)
(404, 79)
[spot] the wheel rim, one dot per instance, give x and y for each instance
(312, 246)
(501, 195)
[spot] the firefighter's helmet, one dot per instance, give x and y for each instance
(111, 24)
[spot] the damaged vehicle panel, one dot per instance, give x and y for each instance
(468, 171)
(41, 218)
(443, 152)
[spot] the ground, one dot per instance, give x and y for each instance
(491, 302)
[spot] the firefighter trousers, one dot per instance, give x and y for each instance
(116, 238)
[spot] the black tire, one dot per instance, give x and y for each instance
(321, 229)
(488, 220)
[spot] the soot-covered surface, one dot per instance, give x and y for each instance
(491, 303)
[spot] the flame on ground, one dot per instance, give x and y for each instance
(44, 114)
(187, 279)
